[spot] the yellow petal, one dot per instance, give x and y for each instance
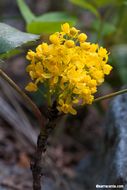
(82, 37)
(65, 28)
(31, 87)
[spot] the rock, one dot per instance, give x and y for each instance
(107, 165)
(116, 142)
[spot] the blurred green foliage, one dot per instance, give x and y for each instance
(46, 23)
(119, 55)
(86, 5)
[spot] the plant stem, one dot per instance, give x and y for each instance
(24, 96)
(36, 165)
(110, 95)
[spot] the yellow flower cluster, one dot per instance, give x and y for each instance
(69, 67)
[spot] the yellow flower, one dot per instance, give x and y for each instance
(85, 45)
(107, 69)
(74, 31)
(45, 48)
(66, 108)
(54, 39)
(82, 37)
(31, 87)
(69, 67)
(30, 55)
(30, 67)
(69, 43)
(65, 28)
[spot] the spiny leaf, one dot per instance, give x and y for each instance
(11, 38)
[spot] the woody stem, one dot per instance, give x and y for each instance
(36, 164)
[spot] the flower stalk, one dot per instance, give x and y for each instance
(111, 95)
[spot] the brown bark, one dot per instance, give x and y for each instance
(36, 166)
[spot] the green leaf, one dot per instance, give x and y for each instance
(11, 38)
(119, 55)
(50, 22)
(46, 23)
(86, 5)
(55, 16)
(25, 11)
